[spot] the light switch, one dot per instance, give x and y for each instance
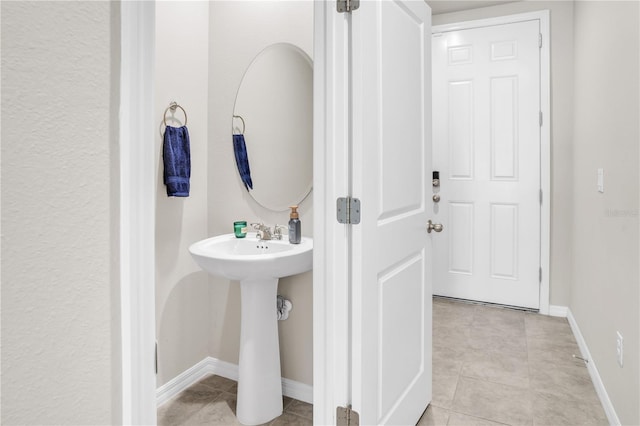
(600, 180)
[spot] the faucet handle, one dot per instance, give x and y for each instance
(259, 228)
(277, 231)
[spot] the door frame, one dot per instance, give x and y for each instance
(545, 130)
(135, 397)
(134, 391)
(331, 146)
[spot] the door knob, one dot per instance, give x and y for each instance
(436, 198)
(434, 227)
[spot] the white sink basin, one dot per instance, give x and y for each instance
(257, 265)
(248, 258)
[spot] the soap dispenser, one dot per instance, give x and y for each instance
(295, 231)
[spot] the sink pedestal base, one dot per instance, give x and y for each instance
(259, 382)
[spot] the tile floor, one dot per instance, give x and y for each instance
(492, 366)
(212, 401)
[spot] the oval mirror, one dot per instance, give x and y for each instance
(274, 111)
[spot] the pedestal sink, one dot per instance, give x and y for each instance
(257, 265)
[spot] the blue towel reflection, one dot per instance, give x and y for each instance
(242, 160)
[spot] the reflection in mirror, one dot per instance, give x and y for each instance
(275, 101)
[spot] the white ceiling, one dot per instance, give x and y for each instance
(446, 6)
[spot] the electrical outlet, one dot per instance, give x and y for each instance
(619, 347)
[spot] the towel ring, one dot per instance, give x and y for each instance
(241, 119)
(173, 106)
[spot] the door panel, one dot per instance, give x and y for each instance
(461, 220)
(391, 264)
(486, 85)
(504, 241)
(401, 286)
(504, 111)
(461, 130)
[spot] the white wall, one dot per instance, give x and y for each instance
(561, 128)
(59, 214)
(238, 32)
(605, 293)
(183, 294)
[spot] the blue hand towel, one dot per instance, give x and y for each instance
(177, 161)
(242, 160)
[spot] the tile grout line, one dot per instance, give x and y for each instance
(529, 387)
(455, 392)
(475, 417)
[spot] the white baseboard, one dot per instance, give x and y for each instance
(209, 365)
(558, 311)
(185, 379)
(593, 371)
(296, 390)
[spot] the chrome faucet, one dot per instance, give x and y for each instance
(264, 232)
(277, 231)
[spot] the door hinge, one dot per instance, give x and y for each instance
(347, 5)
(540, 40)
(156, 357)
(540, 275)
(348, 210)
(345, 416)
(541, 197)
(540, 115)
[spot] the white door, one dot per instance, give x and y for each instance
(390, 261)
(486, 146)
